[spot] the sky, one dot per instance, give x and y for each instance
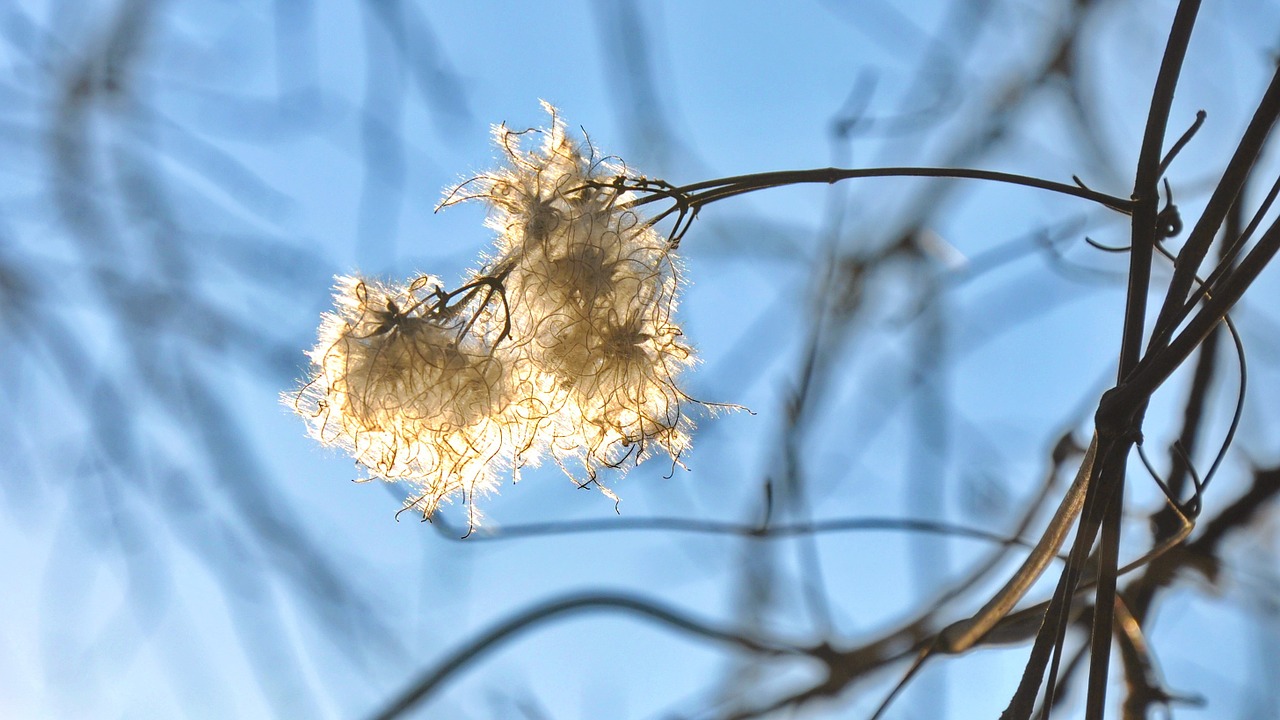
(182, 181)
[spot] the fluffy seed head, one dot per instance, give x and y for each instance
(564, 343)
(595, 286)
(405, 390)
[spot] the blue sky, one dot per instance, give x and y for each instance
(176, 545)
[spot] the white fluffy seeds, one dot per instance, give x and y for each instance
(564, 345)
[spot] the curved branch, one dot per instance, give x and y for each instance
(431, 680)
(701, 193)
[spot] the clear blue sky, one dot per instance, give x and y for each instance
(174, 544)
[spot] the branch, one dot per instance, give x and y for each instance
(711, 527)
(434, 678)
(1215, 212)
(701, 193)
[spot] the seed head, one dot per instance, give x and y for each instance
(399, 384)
(564, 344)
(593, 290)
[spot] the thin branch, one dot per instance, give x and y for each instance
(710, 190)
(1104, 506)
(1158, 366)
(459, 659)
(712, 527)
(1215, 212)
(1182, 142)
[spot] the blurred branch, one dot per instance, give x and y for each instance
(542, 613)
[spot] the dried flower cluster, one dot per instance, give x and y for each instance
(563, 345)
